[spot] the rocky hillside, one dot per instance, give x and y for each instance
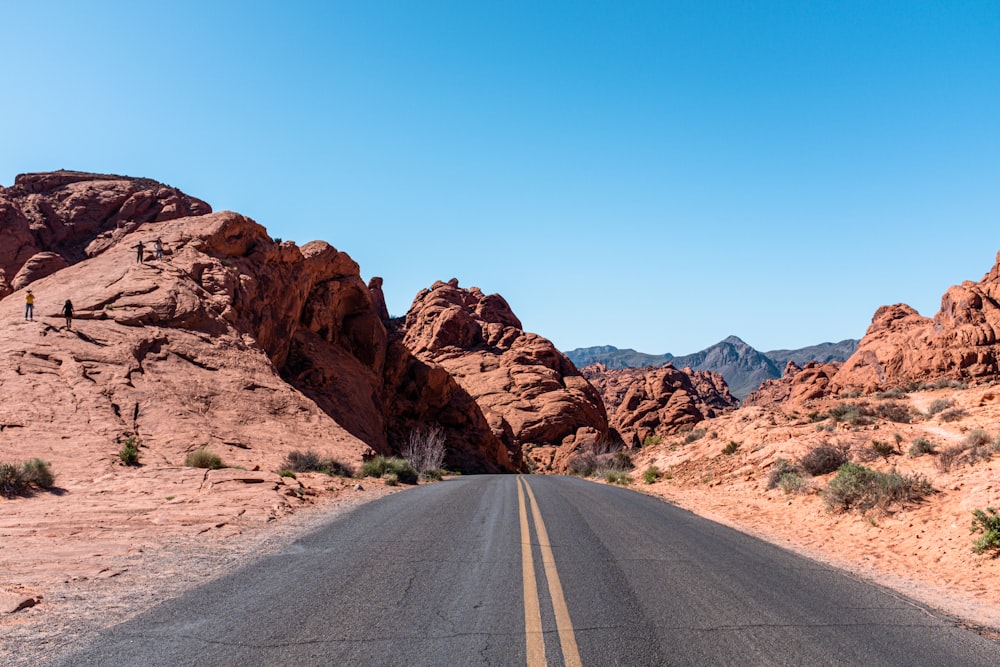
(743, 367)
(236, 343)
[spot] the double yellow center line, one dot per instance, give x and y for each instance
(534, 637)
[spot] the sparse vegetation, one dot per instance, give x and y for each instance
(390, 469)
(855, 414)
(893, 411)
(651, 475)
(310, 461)
(894, 392)
(621, 477)
(780, 468)
(987, 523)
(287, 473)
(952, 415)
(977, 446)
(939, 405)
(731, 448)
(862, 488)
(16, 480)
(884, 449)
(202, 458)
(651, 441)
(920, 447)
(425, 451)
(694, 435)
(129, 453)
(823, 459)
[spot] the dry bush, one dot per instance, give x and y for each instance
(16, 480)
(894, 411)
(425, 450)
(861, 488)
(823, 459)
(952, 415)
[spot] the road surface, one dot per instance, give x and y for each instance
(530, 571)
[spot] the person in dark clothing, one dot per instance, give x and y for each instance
(157, 249)
(68, 313)
(138, 252)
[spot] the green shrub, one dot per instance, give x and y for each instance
(287, 473)
(894, 392)
(854, 414)
(18, 480)
(988, 523)
(202, 458)
(792, 482)
(920, 447)
(781, 467)
(823, 459)
(883, 449)
(310, 461)
(651, 475)
(696, 434)
(617, 477)
(862, 488)
(380, 466)
(939, 405)
(651, 441)
(129, 453)
(390, 479)
(731, 448)
(893, 411)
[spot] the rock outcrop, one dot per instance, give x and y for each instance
(659, 400)
(796, 385)
(232, 341)
(530, 393)
(960, 342)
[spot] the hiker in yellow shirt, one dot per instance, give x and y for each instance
(29, 306)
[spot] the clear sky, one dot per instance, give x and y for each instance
(649, 175)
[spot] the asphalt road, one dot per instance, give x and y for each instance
(509, 570)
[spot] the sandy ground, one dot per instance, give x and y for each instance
(135, 538)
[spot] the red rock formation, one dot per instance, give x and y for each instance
(72, 215)
(796, 384)
(187, 351)
(530, 393)
(960, 342)
(658, 400)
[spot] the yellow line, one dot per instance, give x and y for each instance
(567, 639)
(534, 639)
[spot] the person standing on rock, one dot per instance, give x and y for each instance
(68, 313)
(158, 249)
(138, 252)
(29, 306)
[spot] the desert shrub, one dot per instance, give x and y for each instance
(651, 441)
(380, 466)
(987, 523)
(862, 488)
(287, 473)
(17, 480)
(310, 461)
(583, 464)
(945, 383)
(977, 446)
(129, 453)
(823, 459)
(977, 438)
(620, 460)
(855, 414)
(696, 434)
(731, 448)
(893, 411)
(920, 447)
(781, 467)
(894, 392)
(425, 451)
(939, 405)
(952, 415)
(792, 482)
(651, 474)
(617, 477)
(883, 449)
(390, 479)
(202, 458)
(816, 416)
(854, 393)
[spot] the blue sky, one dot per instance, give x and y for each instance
(649, 175)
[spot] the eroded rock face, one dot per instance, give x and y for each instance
(660, 400)
(531, 394)
(959, 342)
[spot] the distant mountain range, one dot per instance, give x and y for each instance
(743, 367)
